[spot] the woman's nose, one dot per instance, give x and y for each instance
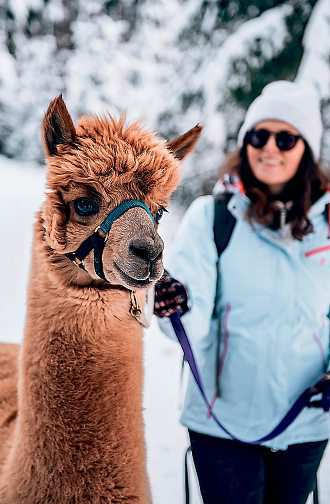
(271, 145)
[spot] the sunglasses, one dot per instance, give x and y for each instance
(284, 140)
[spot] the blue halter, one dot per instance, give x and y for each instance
(97, 240)
(105, 226)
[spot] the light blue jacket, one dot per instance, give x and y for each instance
(273, 297)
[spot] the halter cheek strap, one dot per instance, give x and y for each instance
(97, 240)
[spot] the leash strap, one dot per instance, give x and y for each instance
(302, 401)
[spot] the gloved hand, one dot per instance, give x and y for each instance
(323, 384)
(170, 296)
(322, 387)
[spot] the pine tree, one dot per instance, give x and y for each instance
(263, 63)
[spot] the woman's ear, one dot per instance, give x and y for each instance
(182, 145)
(57, 126)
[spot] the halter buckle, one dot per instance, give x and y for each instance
(101, 233)
(78, 262)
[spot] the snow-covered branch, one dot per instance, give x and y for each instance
(315, 64)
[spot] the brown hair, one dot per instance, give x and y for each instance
(307, 186)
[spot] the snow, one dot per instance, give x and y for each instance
(314, 67)
(21, 192)
(269, 24)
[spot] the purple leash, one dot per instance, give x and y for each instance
(302, 401)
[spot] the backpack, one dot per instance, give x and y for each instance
(224, 222)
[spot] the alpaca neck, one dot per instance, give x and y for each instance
(80, 394)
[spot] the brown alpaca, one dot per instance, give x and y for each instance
(75, 433)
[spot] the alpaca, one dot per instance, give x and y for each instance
(72, 431)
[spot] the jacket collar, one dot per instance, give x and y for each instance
(239, 203)
(319, 205)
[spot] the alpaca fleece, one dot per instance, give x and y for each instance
(71, 424)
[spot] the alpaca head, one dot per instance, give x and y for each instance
(92, 168)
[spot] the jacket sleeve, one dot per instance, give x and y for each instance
(193, 261)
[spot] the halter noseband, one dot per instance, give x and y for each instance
(98, 240)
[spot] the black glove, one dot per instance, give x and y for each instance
(170, 297)
(322, 387)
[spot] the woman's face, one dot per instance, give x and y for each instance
(269, 164)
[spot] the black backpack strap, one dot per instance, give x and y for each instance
(224, 222)
(326, 214)
(223, 226)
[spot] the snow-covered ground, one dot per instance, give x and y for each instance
(21, 189)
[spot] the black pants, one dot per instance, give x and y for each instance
(230, 472)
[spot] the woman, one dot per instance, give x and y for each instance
(258, 321)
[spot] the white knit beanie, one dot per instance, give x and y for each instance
(292, 102)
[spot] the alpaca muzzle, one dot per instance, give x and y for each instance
(142, 265)
(98, 239)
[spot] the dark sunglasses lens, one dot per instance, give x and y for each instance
(257, 138)
(285, 141)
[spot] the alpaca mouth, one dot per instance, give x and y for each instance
(132, 281)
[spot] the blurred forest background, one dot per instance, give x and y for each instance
(168, 63)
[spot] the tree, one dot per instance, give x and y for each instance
(169, 63)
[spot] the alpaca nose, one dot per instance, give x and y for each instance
(149, 251)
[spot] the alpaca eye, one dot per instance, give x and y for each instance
(159, 213)
(86, 206)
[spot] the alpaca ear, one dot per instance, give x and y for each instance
(55, 218)
(57, 126)
(183, 144)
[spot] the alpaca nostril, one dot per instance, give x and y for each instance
(139, 251)
(145, 250)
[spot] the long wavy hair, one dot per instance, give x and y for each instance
(307, 186)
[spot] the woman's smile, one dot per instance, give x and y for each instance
(270, 162)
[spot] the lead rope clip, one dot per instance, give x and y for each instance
(135, 309)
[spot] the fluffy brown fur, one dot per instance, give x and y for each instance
(76, 434)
